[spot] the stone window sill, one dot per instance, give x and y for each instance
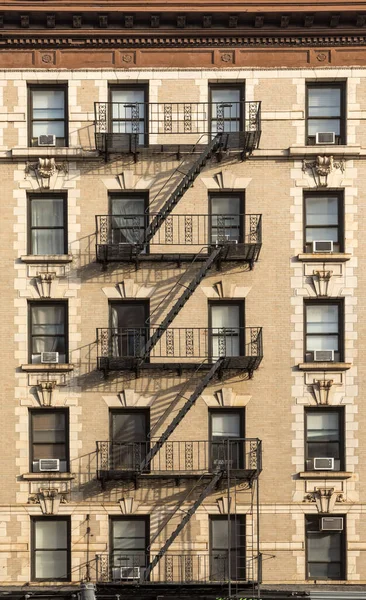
(47, 367)
(54, 152)
(333, 150)
(324, 366)
(33, 259)
(325, 475)
(324, 257)
(48, 476)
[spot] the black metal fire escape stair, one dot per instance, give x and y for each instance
(188, 179)
(202, 384)
(208, 489)
(214, 256)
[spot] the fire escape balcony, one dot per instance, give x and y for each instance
(179, 459)
(190, 568)
(122, 238)
(166, 126)
(123, 348)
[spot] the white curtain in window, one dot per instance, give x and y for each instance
(225, 425)
(115, 333)
(47, 214)
(225, 330)
(127, 224)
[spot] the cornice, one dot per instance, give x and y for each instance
(182, 41)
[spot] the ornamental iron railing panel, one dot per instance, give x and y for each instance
(189, 457)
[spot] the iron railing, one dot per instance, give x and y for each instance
(121, 348)
(123, 127)
(122, 237)
(114, 459)
(175, 568)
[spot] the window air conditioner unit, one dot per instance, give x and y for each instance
(325, 137)
(49, 357)
(323, 464)
(324, 355)
(46, 140)
(49, 464)
(331, 524)
(322, 246)
(126, 573)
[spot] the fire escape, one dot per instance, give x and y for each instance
(166, 347)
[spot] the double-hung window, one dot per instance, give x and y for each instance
(324, 440)
(49, 440)
(325, 549)
(227, 433)
(227, 218)
(129, 221)
(48, 332)
(224, 531)
(47, 224)
(323, 331)
(129, 431)
(323, 221)
(227, 331)
(129, 111)
(129, 331)
(129, 542)
(227, 108)
(325, 113)
(51, 549)
(48, 124)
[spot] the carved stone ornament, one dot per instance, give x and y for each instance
(321, 168)
(321, 390)
(128, 506)
(45, 391)
(44, 284)
(44, 169)
(321, 281)
(49, 499)
(224, 505)
(227, 57)
(324, 498)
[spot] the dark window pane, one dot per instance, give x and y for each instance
(129, 427)
(49, 451)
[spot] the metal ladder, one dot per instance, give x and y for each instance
(159, 332)
(188, 179)
(208, 489)
(182, 413)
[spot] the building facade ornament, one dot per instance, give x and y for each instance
(324, 498)
(44, 170)
(49, 500)
(321, 390)
(321, 168)
(321, 281)
(45, 391)
(44, 284)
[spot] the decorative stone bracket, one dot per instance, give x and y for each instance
(44, 284)
(321, 281)
(321, 168)
(45, 390)
(224, 505)
(44, 169)
(324, 498)
(49, 500)
(321, 390)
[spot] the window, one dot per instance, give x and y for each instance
(324, 331)
(129, 542)
(47, 224)
(227, 107)
(129, 330)
(129, 430)
(324, 438)
(48, 331)
(48, 113)
(49, 438)
(325, 550)
(325, 111)
(227, 216)
(51, 549)
(227, 425)
(219, 547)
(226, 326)
(129, 219)
(324, 219)
(129, 111)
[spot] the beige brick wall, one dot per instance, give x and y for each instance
(274, 293)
